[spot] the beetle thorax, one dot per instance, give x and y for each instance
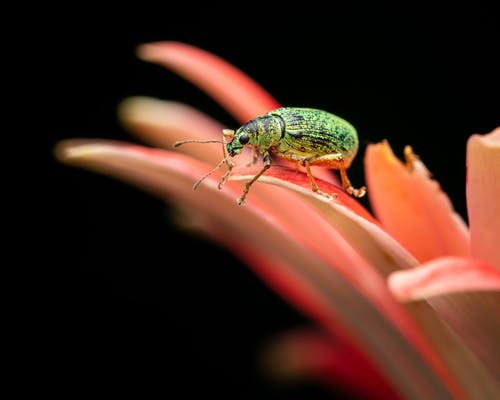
(264, 132)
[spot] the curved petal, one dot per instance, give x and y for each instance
(286, 259)
(232, 88)
(443, 276)
(412, 207)
(483, 196)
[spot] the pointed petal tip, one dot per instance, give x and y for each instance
(65, 151)
(141, 109)
(149, 51)
(411, 205)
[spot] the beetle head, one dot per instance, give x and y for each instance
(238, 140)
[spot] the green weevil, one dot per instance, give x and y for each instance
(307, 136)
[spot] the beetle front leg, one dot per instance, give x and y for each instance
(267, 164)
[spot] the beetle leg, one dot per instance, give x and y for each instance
(226, 133)
(346, 183)
(267, 164)
(314, 185)
(224, 178)
(337, 162)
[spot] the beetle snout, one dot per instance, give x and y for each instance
(234, 148)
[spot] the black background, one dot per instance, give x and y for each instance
(129, 302)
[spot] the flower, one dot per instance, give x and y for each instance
(405, 301)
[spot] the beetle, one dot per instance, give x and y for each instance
(308, 136)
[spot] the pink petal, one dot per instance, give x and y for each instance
(289, 260)
(412, 207)
(232, 88)
(443, 276)
(308, 354)
(483, 196)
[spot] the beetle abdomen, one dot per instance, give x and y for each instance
(309, 130)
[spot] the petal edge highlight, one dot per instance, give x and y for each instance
(443, 276)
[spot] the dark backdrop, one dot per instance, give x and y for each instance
(132, 303)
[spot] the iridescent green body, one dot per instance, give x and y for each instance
(305, 135)
(299, 134)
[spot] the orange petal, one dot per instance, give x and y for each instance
(284, 258)
(483, 196)
(443, 276)
(232, 88)
(412, 207)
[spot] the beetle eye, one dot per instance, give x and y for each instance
(244, 139)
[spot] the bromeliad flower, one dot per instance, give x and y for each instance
(405, 302)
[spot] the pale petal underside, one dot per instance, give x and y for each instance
(483, 196)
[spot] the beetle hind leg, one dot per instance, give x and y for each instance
(336, 161)
(346, 183)
(314, 185)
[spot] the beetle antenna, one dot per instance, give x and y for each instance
(178, 143)
(226, 133)
(197, 183)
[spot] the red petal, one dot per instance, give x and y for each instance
(232, 88)
(300, 178)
